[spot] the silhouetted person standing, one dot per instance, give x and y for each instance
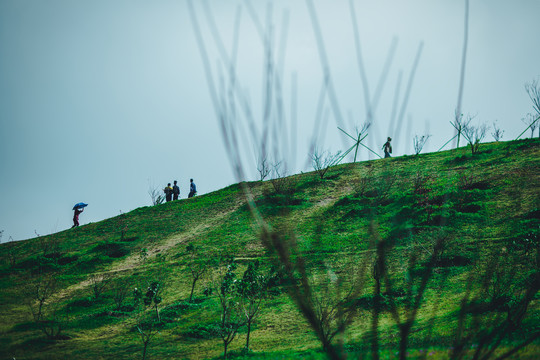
(176, 191)
(192, 189)
(76, 217)
(168, 192)
(387, 147)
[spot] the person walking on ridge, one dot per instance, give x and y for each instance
(176, 190)
(387, 147)
(76, 216)
(168, 192)
(192, 189)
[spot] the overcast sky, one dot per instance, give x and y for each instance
(100, 100)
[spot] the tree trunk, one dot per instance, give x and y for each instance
(144, 350)
(192, 289)
(375, 321)
(405, 330)
(248, 332)
(225, 344)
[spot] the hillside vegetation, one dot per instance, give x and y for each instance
(427, 256)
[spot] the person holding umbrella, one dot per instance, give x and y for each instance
(78, 209)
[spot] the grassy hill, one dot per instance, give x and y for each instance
(428, 256)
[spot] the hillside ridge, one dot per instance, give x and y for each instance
(482, 204)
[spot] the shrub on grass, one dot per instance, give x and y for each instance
(225, 287)
(83, 302)
(172, 312)
(37, 265)
(253, 289)
(147, 326)
(196, 265)
(65, 260)
(99, 283)
(323, 161)
(121, 288)
(474, 136)
(112, 249)
(281, 183)
(40, 296)
(206, 331)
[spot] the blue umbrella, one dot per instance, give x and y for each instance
(79, 205)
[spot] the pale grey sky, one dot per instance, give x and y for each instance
(99, 99)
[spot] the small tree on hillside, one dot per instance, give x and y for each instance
(253, 290)
(156, 195)
(533, 89)
(532, 122)
(419, 142)
(497, 132)
(98, 284)
(152, 297)
(323, 161)
(474, 136)
(225, 286)
(39, 290)
(121, 289)
(40, 296)
(460, 124)
(263, 167)
(281, 183)
(196, 265)
(146, 325)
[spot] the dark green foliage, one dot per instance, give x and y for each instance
(207, 331)
(151, 297)
(38, 264)
(174, 312)
(274, 204)
(147, 326)
(526, 233)
(112, 249)
(253, 289)
(84, 303)
(384, 301)
(65, 260)
(197, 266)
(452, 260)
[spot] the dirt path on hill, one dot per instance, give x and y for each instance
(132, 261)
(206, 224)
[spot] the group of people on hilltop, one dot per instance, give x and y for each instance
(172, 193)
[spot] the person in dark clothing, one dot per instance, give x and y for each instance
(387, 147)
(168, 192)
(76, 217)
(176, 191)
(192, 189)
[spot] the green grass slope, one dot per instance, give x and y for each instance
(485, 206)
